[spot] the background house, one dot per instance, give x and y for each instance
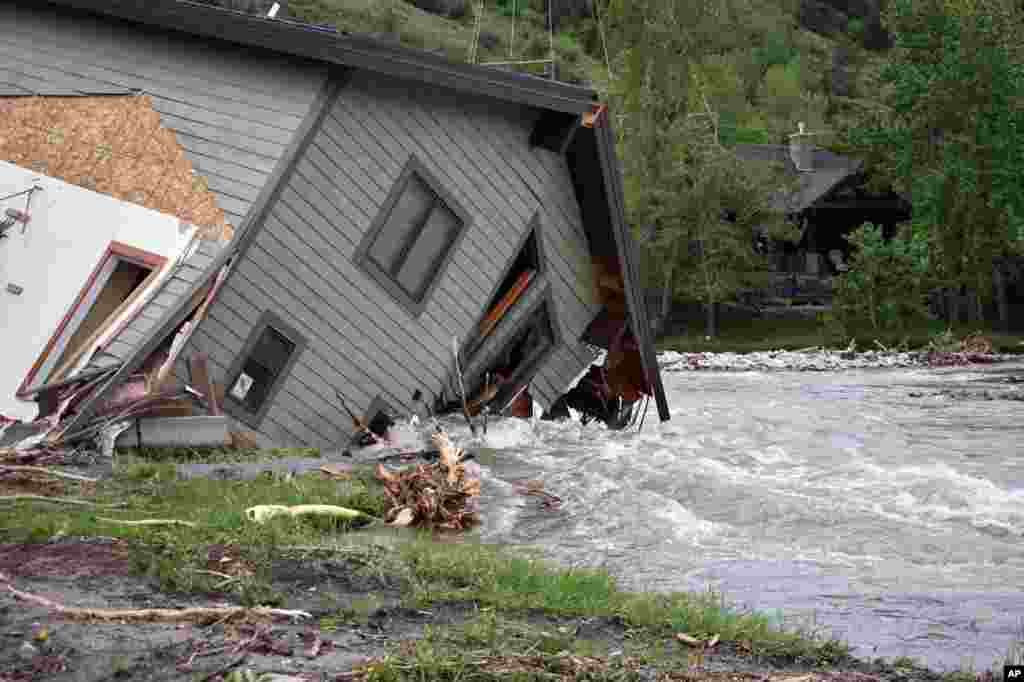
(828, 202)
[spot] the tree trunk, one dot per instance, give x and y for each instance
(974, 309)
(1002, 301)
(667, 291)
(952, 307)
(711, 328)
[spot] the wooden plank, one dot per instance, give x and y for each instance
(254, 129)
(212, 166)
(224, 136)
(199, 374)
(252, 161)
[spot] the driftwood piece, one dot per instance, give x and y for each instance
(202, 614)
(44, 470)
(56, 500)
(149, 522)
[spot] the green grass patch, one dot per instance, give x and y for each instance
(495, 578)
(176, 555)
(505, 585)
(185, 455)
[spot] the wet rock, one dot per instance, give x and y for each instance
(27, 651)
(489, 40)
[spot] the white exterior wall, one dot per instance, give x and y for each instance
(69, 233)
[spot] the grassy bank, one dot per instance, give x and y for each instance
(748, 336)
(499, 594)
(490, 613)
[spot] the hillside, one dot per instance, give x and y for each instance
(815, 61)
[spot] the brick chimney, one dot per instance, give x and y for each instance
(801, 150)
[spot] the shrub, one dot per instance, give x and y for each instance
(885, 284)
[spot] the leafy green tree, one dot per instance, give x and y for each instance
(725, 203)
(886, 282)
(953, 134)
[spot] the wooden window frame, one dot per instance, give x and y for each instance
(233, 405)
(473, 344)
(413, 168)
(526, 372)
(115, 252)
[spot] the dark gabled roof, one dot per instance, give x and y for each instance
(388, 58)
(302, 40)
(829, 170)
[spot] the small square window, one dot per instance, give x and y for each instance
(260, 369)
(411, 241)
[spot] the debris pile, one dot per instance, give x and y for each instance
(973, 350)
(444, 494)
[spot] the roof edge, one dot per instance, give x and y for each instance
(628, 259)
(362, 52)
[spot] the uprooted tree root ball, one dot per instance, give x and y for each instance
(439, 495)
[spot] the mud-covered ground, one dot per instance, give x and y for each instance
(38, 644)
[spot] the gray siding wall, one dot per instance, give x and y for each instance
(233, 110)
(361, 341)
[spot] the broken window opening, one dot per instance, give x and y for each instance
(522, 271)
(121, 272)
(379, 419)
(263, 364)
(514, 365)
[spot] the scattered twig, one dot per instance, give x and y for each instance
(514, 397)
(216, 574)
(48, 472)
(149, 522)
(56, 500)
(195, 614)
(226, 667)
(462, 386)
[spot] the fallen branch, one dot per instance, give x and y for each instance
(186, 615)
(48, 472)
(56, 500)
(149, 522)
(462, 386)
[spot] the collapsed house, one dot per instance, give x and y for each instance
(391, 208)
